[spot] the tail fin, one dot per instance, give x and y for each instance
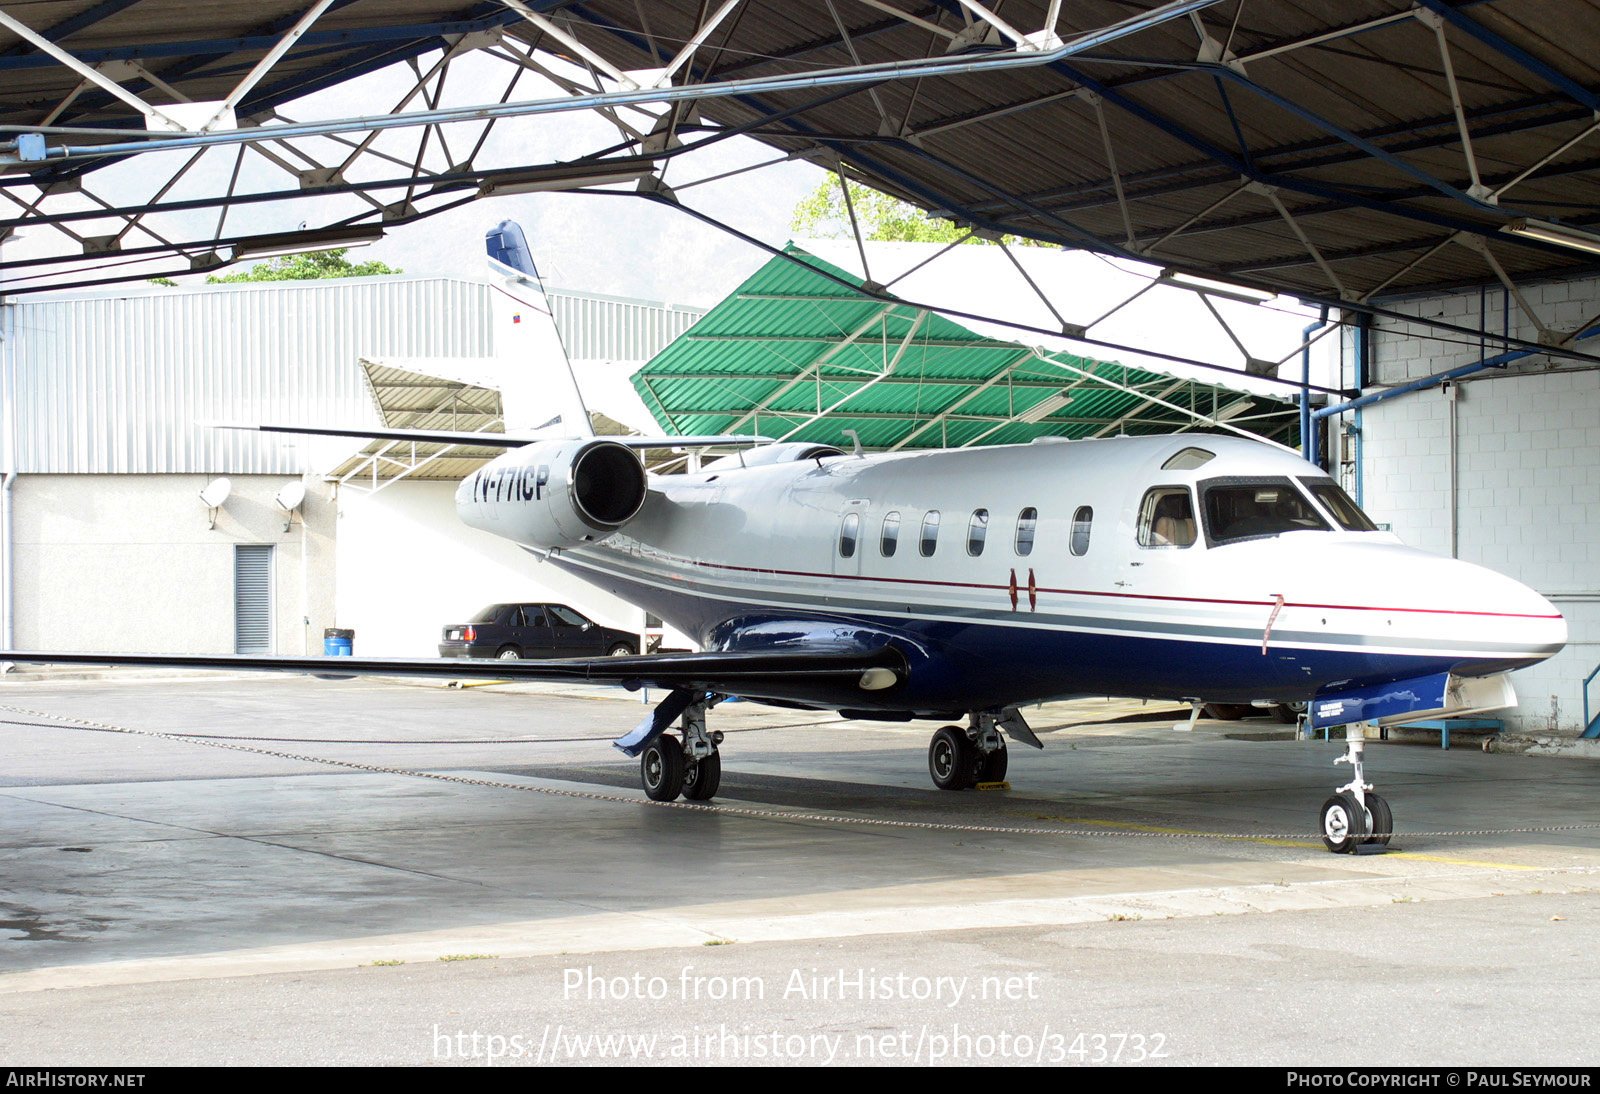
(542, 398)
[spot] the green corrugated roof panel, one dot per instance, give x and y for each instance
(794, 353)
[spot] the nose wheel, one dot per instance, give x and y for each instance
(1355, 817)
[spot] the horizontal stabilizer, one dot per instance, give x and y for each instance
(485, 440)
(798, 675)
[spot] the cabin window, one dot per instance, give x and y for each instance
(847, 535)
(930, 533)
(1247, 510)
(1080, 529)
(1027, 521)
(1337, 502)
(891, 534)
(977, 530)
(1166, 519)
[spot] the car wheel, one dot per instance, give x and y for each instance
(1289, 713)
(509, 653)
(621, 649)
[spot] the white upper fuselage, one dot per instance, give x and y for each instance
(1104, 600)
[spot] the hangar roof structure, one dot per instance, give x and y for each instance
(1342, 151)
(795, 355)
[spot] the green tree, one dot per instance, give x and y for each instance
(822, 215)
(311, 266)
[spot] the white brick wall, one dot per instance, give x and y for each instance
(1528, 469)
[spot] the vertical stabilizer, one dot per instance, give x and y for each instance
(539, 391)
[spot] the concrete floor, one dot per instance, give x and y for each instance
(166, 902)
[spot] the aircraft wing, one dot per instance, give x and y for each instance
(827, 676)
(486, 440)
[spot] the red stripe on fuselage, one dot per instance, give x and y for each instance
(1090, 592)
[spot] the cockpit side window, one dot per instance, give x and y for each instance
(1238, 509)
(1166, 519)
(1337, 502)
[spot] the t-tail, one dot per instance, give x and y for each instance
(541, 399)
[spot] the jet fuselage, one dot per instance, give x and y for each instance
(1183, 567)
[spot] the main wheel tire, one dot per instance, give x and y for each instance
(992, 768)
(1344, 823)
(508, 653)
(661, 768)
(1227, 712)
(1288, 713)
(1382, 826)
(952, 759)
(702, 777)
(621, 649)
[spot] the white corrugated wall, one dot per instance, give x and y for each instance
(122, 384)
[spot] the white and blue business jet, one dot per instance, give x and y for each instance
(959, 586)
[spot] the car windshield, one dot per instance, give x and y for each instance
(1236, 510)
(489, 614)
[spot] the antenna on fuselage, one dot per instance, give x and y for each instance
(854, 436)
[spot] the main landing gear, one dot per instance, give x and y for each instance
(1355, 817)
(959, 759)
(669, 766)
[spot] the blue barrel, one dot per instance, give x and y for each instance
(338, 642)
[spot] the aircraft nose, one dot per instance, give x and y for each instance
(1502, 608)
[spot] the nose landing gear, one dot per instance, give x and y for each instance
(1355, 817)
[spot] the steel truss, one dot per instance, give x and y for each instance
(420, 157)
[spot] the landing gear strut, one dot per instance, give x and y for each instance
(959, 759)
(1355, 817)
(669, 766)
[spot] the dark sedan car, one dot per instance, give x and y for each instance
(512, 631)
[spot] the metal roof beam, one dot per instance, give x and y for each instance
(888, 370)
(44, 45)
(67, 27)
(851, 75)
(1003, 374)
(1201, 174)
(211, 47)
(837, 341)
(873, 320)
(1550, 75)
(904, 380)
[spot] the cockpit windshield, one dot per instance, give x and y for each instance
(1237, 509)
(1337, 502)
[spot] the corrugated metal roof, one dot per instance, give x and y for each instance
(792, 353)
(1342, 108)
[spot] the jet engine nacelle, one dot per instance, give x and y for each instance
(555, 493)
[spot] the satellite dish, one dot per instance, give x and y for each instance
(290, 497)
(216, 492)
